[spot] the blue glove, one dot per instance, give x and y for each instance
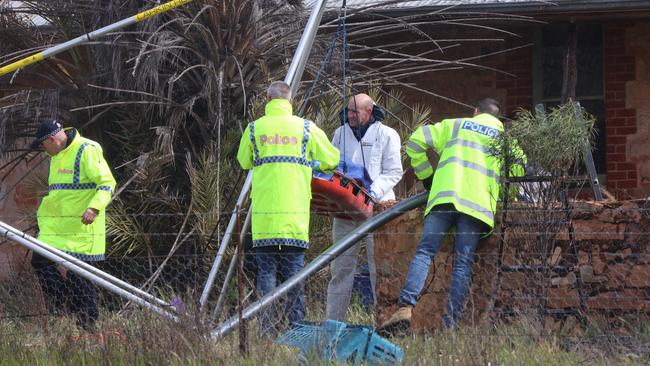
(315, 164)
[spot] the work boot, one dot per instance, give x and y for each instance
(398, 324)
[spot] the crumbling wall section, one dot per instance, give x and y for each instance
(607, 273)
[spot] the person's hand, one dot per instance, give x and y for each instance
(89, 216)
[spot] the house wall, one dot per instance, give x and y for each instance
(626, 84)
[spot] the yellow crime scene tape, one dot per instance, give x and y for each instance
(91, 36)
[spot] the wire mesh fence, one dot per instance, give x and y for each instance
(585, 280)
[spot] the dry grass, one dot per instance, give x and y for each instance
(139, 338)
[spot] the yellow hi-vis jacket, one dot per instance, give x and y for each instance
(467, 175)
(281, 149)
(79, 179)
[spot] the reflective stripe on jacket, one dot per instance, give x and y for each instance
(79, 179)
(467, 175)
(281, 149)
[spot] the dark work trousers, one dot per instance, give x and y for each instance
(74, 293)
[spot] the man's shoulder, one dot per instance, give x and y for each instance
(387, 129)
(487, 118)
(455, 119)
(281, 119)
(88, 143)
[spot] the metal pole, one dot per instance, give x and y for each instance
(64, 257)
(85, 273)
(322, 261)
(86, 38)
(297, 67)
(243, 332)
(294, 74)
(230, 272)
(225, 241)
(224, 288)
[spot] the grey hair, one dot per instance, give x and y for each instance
(279, 90)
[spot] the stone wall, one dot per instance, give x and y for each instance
(611, 265)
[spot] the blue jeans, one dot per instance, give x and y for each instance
(468, 232)
(269, 266)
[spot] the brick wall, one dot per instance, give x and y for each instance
(620, 121)
(518, 90)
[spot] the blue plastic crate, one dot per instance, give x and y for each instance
(337, 341)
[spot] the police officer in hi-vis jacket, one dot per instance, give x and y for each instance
(463, 194)
(71, 217)
(282, 149)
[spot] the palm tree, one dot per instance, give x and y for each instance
(168, 98)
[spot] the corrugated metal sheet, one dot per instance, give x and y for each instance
(514, 5)
(405, 4)
(408, 4)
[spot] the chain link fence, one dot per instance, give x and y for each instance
(585, 280)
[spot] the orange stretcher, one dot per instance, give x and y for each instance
(340, 196)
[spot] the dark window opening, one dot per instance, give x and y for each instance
(590, 69)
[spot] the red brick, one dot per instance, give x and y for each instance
(616, 49)
(616, 157)
(621, 149)
(519, 91)
(625, 130)
(632, 175)
(616, 176)
(624, 59)
(610, 95)
(625, 113)
(626, 184)
(616, 121)
(616, 140)
(615, 86)
(626, 166)
(505, 84)
(630, 121)
(615, 103)
(611, 166)
(524, 83)
(625, 77)
(614, 32)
